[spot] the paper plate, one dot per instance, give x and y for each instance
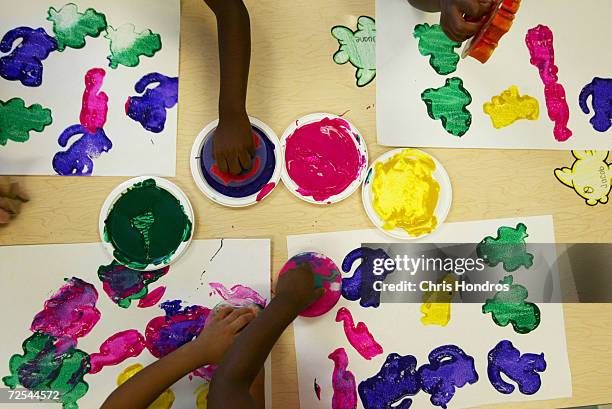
(442, 208)
(360, 145)
(213, 194)
(170, 187)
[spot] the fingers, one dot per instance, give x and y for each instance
(233, 164)
(245, 159)
(455, 26)
(223, 312)
(239, 318)
(222, 163)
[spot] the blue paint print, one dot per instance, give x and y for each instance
(449, 368)
(600, 89)
(77, 160)
(24, 63)
(150, 109)
(390, 387)
(360, 285)
(522, 369)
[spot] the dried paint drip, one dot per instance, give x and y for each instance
(343, 382)
(116, 349)
(436, 308)
(239, 295)
(391, 386)
(249, 182)
(522, 369)
(359, 336)
(169, 229)
(24, 63)
(590, 176)
(449, 105)
(164, 401)
(71, 27)
(95, 102)
(317, 389)
(508, 248)
(322, 158)
(441, 50)
(124, 285)
(405, 193)
(510, 106)
(511, 307)
(17, 120)
(449, 368)
(152, 298)
(159, 93)
(540, 44)
(600, 92)
(360, 286)
(326, 276)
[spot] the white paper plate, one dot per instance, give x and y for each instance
(163, 183)
(212, 194)
(442, 208)
(359, 144)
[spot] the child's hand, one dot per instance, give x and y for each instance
(461, 19)
(11, 199)
(233, 144)
(296, 288)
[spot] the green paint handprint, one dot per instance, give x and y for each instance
(358, 48)
(440, 49)
(126, 45)
(449, 104)
(71, 27)
(510, 307)
(17, 121)
(508, 248)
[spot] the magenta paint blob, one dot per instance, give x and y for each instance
(152, 298)
(322, 158)
(343, 382)
(239, 295)
(327, 276)
(116, 349)
(265, 191)
(358, 336)
(95, 103)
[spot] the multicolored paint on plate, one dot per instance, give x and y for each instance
(325, 158)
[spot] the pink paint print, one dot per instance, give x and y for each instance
(540, 43)
(343, 382)
(322, 158)
(206, 372)
(239, 295)
(358, 336)
(116, 349)
(265, 191)
(95, 103)
(152, 298)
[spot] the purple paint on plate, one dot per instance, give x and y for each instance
(522, 369)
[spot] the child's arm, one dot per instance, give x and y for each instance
(233, 139)
(208, 348)
(230, 386)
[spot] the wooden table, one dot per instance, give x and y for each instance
(292, 74)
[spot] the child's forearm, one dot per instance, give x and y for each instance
(426, 5)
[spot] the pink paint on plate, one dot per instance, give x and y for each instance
(116, 349)
(358, 336)
(152, 298)
(265, 191)
(343, 382)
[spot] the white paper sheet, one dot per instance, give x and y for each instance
(31, 274)
(135, 150)
(580, 40)
(398, 329)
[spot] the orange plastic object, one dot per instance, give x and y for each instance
(497, 24)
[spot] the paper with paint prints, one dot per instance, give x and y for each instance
(509, 87)
(33, 274)
(398, 329)
(123, 122)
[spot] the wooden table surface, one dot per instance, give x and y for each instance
(292, 74)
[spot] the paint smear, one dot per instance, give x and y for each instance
(17, 120)
(159, 94)
(449, 368)
(540, 44)
(127, 45)
(600, 92)
(359, 336)
(590, 176)
(405, 193)
(164, 401)
(508, 248)
(71, 27)
(326, 275)
(116, 349)
(359, 48)
(239, 295)
(510, 106)
(436, 307)
(24, 63)
(361, 285)
(171, 226)
(124, 285)
(511, 307)
(95, 103)
(69, 314)
(522, 369)
(206, 372)
(152, 298)
(265, 191)
(343, 382)
(449, 105)
(317, 389)
(202, 396)
(322, 158)
(391, 386)
(78, 159)
(441, 50)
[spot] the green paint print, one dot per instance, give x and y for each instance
(508, 248)
(449, 104)
(510, 307)
(126, 45)
(17, 120)
(146, 226)
(71, 27)
(358, 48)
(43, 367)
(440, 49)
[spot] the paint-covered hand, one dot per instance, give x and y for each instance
(220, 332)
(11, 198)
(461, 19)
(233, 144)
(296, 288)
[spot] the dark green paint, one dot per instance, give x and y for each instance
(511, 307)
(508, 248)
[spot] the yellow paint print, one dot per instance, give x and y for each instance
(164, 401)
(590, 176)
(436, 307)
(509, 107)
(202, 396)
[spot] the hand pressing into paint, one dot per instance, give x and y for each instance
(296, 288)
(233, 144)
(11, 198)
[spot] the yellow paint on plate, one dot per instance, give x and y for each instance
(202, 396)
(436, 307)
(405, 193)
(164, 401)
(509, 107)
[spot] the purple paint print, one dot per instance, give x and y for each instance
(239, 295)
(361, 285)
(24, 63)
(116, 349)
(317, 389)
(600, 90)
(449, 368)
(77, 160)
(152, 298)
(95, 103)
(69, 314)
(391, 386)
(358, 336)
(522, 369)
(150, 108)
(343, 382)
(123, 285)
